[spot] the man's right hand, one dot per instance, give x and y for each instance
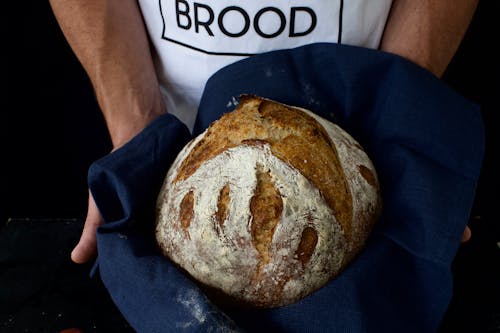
(86, 249)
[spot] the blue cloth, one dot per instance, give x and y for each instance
(425, 140)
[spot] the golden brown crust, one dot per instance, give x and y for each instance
(222, 206)
(187, 212)
(266, 207)
(295, 137)
(367, 175)
(307, 244)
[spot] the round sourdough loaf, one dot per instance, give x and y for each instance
(268, 204)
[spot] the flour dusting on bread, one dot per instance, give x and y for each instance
(268, 204)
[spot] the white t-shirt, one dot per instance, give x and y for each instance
(194, 39)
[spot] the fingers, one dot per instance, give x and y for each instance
(86, 249)
(71, 330)
(466, 235)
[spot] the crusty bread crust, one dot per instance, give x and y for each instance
(294, 136)
(268, 204)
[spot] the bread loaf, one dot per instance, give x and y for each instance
(268, 204)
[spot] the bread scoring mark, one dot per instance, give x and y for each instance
(186, 212)
(307, 245)
(294, 136)
(254, 142)
(367, 204)
(368, 175)
(303, 253)
(306, 145)
(222, 207)
(266, 207)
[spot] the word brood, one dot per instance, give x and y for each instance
(200, 16)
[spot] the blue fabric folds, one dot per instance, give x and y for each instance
(425, 140)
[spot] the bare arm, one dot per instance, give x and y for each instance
(427, 32)
(110, 40)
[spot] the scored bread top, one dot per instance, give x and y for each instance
(268, 204)
(294, 136)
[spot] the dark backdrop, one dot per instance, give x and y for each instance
(54, 126)
(52, 130)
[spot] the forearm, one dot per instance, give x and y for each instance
(110, 40)
(427, 32)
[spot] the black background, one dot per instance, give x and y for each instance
(52, 130)
(54, 126)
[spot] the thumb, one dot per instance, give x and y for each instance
(86, 249)
(466, 235)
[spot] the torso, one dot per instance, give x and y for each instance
(194, 39)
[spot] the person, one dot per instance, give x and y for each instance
(135, 83)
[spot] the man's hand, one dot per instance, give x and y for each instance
(87, 246)
(466, 235)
